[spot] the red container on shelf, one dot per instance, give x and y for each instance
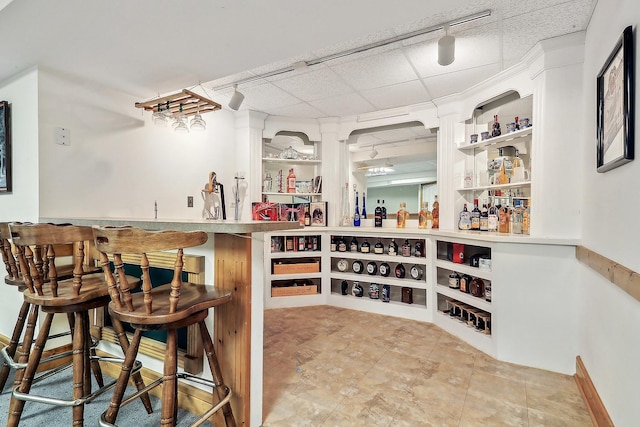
(458, 253)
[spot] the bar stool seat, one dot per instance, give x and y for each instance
(163, 307)
(75, 297)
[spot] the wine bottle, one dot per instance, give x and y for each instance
(356, 214)
(377, 218)
(333, 246)
(464, 220)
(364, 206)
(307, 216)
(384, 210)
(435, 213)
(492, 219)
(475, 216)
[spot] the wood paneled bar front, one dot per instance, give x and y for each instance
(238, 328)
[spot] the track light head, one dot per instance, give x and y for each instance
(446, 48)
(373, 153)
(236, 99)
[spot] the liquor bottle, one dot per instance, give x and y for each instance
(401, 217)
(475, 216)
(334, 246)
(493, 218)
(423, 215)
(365, 248)
(377, 218)
(464, 221)
(378, 248)
(302, 244)
(364, 205)
(454, 280)
(417, 249)
(406, 248)
(504, 221)
(502, 175)
(435, 213)
(291, 182)
(342, 245)
(487, 292)
(516, 227)
(356, 214)
(307, 216)
(353, 246)
(384, 210)
(393, 247)
(267, 185)
(465, 280)
(526, 219)
(484, 217)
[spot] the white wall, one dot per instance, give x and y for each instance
(119, 163)
(22, 202)
(610, 342)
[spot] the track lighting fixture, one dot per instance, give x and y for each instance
(236, 99)
(446, 48)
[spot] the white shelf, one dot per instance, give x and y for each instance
(291, 161)
(275, 193)
(417, 312)
(380, 257)
(480, 303)
(522, 184)
(376, 278)
(497, 142)
(464, 268)
(472, 336)
(296, 276)
(295, 254)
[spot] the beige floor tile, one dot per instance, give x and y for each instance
(327, 366)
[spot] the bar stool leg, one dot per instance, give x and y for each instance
(16, 407)
(13, 344)
(79, 363)
(170, 380)
(216, 372)
(123, 378)
(137, 377)
(27, 340)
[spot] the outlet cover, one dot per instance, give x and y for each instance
(63, 136)
(189, 201)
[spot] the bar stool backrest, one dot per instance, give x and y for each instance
(13, 272)
(116, 241)
(36, 253)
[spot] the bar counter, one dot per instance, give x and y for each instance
(238, 267)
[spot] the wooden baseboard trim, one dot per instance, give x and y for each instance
(597, 410)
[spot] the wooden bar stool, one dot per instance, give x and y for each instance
(164, 307)
(74, 297)
(14, 278)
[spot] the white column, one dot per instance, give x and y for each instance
(332, 172)
(248, 151)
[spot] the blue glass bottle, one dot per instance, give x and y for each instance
(364, 205)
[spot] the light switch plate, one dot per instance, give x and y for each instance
(63, 136)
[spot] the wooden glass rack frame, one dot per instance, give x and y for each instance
(191, 103)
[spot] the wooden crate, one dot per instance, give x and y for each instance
(287, 291)
(301, 267)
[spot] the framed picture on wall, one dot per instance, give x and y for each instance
(5, 147)
(615, 106)
(318, 211)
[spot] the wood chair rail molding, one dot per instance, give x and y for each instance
(621, 276)
(189, 360)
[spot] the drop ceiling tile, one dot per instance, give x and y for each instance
(509, 9)
(266, 95)
(399, 95)
(376, 71)
(475, 47)
(446, 84)
(343, 105)
(355, 44)
(302, 110)
(543, 24)
(318, 84)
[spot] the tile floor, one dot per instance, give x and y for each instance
(327, 366)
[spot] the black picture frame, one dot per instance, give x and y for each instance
(5, 148)
(615, 106)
